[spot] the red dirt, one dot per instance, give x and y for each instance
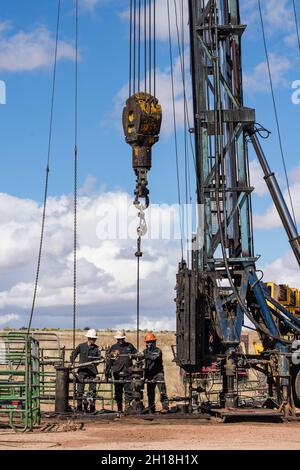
(122, 435)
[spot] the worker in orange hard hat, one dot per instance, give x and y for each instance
(154, 373)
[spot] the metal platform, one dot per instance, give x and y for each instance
(134, 419)
(176, 416)
(248, 414)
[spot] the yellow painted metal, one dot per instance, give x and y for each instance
(289, 297)
(258, 347)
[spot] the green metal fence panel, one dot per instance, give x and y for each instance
(19, 380)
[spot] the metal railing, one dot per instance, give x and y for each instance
(52, 354)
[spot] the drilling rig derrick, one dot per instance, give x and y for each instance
(221, 288)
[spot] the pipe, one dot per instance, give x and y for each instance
(62, 390)
(277, 196)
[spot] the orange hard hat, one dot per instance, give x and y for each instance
(150, 337)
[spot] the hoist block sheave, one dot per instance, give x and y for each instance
(142, 117)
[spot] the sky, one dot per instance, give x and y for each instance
(106, 267)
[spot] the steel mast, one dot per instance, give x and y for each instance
(222, 288)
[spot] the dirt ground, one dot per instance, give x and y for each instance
(200, 435)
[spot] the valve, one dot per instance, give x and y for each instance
(142, 117)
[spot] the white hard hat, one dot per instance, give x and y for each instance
(120, 334)
(92, 333)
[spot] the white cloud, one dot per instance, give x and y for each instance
(106, 268)
(161, 21)
(90, 5)
(5, 319)
(270, 218)
(291, 40)
(294, 175)
(280, 30)
(257, 178)
(88, 186)
(162, 324)
(277, 15)
(258, 80)
(26, 51)
(162, 28)
(283, 270)
(249, 12)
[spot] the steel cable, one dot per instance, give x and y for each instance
(138, 298)
(276, 111)
(188, 197)
(47, 170)
(175, 128)
(130, 50)
(154, 48)
(135, 69)
(139, 46)
(296, 24)
(180, 51)
(180, 42)
(145, 45)
(134, 46)
(75, 180)
(150, 47)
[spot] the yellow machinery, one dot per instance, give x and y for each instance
(287, 296)
(258, 347)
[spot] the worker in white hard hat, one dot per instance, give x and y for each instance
(87, 352)
(119, 363)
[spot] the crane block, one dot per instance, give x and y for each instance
(142, 118)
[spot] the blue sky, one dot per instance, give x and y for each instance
(27, 31)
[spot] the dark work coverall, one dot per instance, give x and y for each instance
(86, 354)
(154, 370)
(120, 367)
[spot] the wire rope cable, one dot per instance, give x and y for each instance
(42, 233)
(296, 23)
(175, 128)
(186, 110)
(142, 59)
(276, 111)
(75, 178)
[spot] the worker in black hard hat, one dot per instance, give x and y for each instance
(154, 373)
(119, 363)
(87, 352)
